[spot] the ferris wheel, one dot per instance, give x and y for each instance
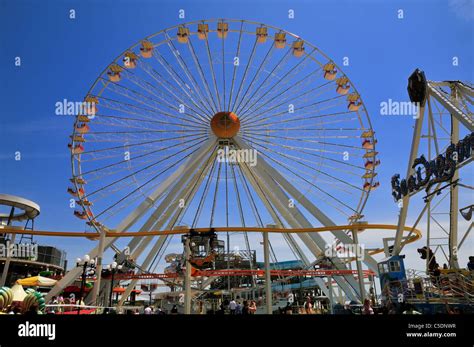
(298, 145)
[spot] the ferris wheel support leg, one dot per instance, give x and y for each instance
(187, 278)
(268, 278)
(171, 203)
(295, 219)
(129, 221)
(310, 207)
(454, 194)
(402, 217)
(100, 254)
(360, 274)
(185, 171)
(264, 192)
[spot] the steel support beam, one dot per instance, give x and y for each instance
(402, 217)
(132, 218)
(294, 217)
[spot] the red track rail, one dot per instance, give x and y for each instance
(223, 273)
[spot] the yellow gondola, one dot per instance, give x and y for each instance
(146, 50)
(130, 60)
(77, 193)
(78, 180)
(78, 138)
(354, 102)
(330, 71)
(369, 175)
(298, 48)
(343, 85)
(369, 164)
(84, 202)
(280, 40)
(222, 30)
(370, 154)
(83, 118)
(262, 34)
(82, 128)
(183, 35)
(367, 134)
(77, 149)
(203, 29)
(368, 144)
(82, 214)
(369, 187)
(114, 73)
(92, 102)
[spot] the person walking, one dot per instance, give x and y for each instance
(232, 306)
(308, 306)
(367, 309)
(253, 307)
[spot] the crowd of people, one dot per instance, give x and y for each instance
(238, 306)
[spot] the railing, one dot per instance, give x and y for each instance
(447, 287)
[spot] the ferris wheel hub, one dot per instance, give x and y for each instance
(225, 124)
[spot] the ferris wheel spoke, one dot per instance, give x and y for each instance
(146, 182)
(270, 74)
(301, 128)
(146, 154)
(144, 100)
(308, 182)
(250, 197)
(223, 74)
(143, 129)
(237, 194)
(147, 114)
(279, 93)
(307, 117)
(127, 121)
(255, 210)
(136, 144)
(211, 66)
(148, 167)
(172, 92)
(189, 75)
(163, 99)
(205, 193)
(293, 99)
(255, 77)
(203, 77)
(290, 73)
(299, 161)
(179, 81)
(216, 189)
(306, 140)
(308, 95)
(237, 54)
(242, 81)
(149, 131)
(264, 84)
(300, 150)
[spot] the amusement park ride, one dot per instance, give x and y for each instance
(147, 149)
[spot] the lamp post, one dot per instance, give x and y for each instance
(113, 268)
(88, 269)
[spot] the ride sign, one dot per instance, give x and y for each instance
(427, 173)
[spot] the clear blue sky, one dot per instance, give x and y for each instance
(62, 57)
